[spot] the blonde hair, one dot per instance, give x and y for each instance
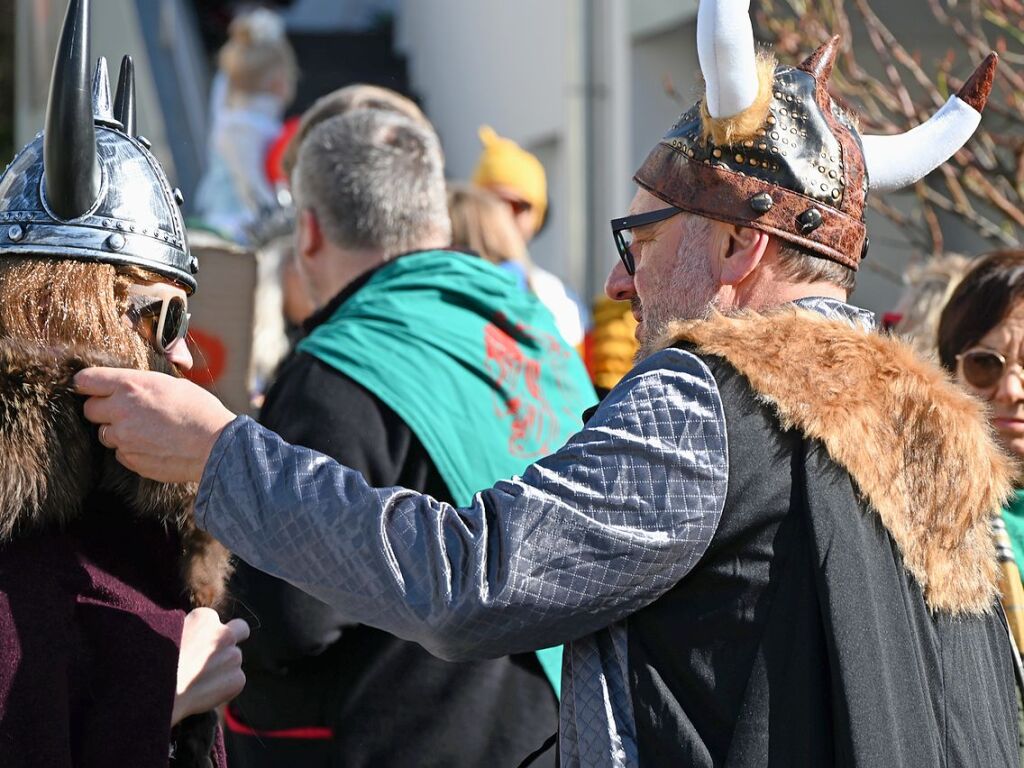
(750, 123)
(483, 223)
(929, 288)
(257, 55)
(59, 303)
(343, 101)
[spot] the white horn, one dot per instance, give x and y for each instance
(895, 162)
(728, 59)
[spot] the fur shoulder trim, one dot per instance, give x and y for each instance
(51, 460)
(46, 449)
(918, 448)
(50, 455)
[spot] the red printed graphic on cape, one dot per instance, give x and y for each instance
(534, 428)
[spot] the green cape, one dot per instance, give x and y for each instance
(469, 361)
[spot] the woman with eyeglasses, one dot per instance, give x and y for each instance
(981, 340)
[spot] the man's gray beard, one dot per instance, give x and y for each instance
(654, 337)
(697, 292)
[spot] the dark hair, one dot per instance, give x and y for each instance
(986, 295)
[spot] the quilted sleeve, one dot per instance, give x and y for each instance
(585, 537)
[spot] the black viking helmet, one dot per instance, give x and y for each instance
(88, 188)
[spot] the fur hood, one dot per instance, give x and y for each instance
(918, 448)
(52, 461)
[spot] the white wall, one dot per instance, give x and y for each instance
(668, 54)
(502, 64)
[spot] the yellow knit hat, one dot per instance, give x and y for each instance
(503, 163)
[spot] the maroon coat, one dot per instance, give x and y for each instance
(92, 589)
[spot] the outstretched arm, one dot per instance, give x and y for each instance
(584, 538)
(587, 536)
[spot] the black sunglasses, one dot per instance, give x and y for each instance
(623, 236)
(982, 368)
(163, 320)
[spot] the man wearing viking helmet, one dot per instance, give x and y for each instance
(770, 543)
(105, 660)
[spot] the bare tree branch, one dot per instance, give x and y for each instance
(893, 87)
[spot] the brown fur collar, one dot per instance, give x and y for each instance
(917, 447)
(52, 461)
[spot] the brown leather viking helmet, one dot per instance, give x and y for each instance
(768, 148)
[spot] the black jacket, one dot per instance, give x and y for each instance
(845, 612)
(801, 639)
(340, 694)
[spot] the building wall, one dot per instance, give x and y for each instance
(501, 64)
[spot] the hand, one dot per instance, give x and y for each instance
(161, 427)
(209, 665)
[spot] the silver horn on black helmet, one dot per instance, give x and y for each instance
(87, 188)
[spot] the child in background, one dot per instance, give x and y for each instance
(254, 85)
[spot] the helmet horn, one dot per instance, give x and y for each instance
(820, 63)
(102, 107)
(69, 145)
(124, 102)
(895, 162)
(728, 59)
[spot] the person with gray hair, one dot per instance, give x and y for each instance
(392, 306)
(373, 181)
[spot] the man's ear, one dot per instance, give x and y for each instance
(741, 252)
(310, 237)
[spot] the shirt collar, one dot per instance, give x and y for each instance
(834, 309)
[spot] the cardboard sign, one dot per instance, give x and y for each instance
(221, 330)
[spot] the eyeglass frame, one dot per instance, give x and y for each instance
(1007, 366)
(135, 315)
(632, 222)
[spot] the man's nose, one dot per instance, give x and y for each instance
(179, 355)
(619, 285)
